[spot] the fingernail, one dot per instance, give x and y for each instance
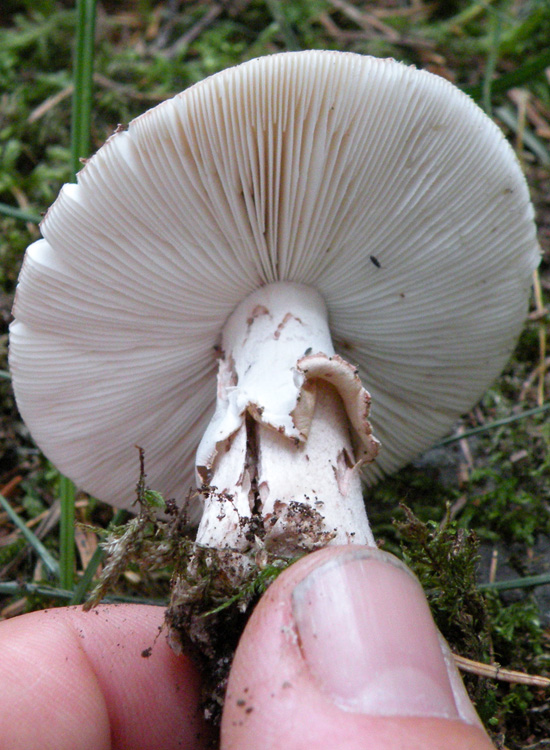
(369, 641)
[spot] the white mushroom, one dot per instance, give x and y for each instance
(256, 211)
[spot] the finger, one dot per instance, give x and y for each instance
(342, 652)
(73, 680)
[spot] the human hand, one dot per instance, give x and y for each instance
(340, 654)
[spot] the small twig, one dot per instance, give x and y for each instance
(521, 104)
(508, 116)
(537, 315)
(104, 82)
(163, 33)
(493, 566)
(184, 41)
(417, 11)
(458, 505)
(130, 91)
(49, 103)
(372, 27)
(542, 338)
(8, 488)
(528, 382)
(345, 36)
(23, 202)
(366, 20)
(465, 466)
(12, 609)
(495, 672)
(532, 113)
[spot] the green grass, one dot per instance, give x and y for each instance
(65, 86)
(67, 497)
(50, 564)
(83, 83)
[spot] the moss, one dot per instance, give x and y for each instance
(445, 559)
(482, 626)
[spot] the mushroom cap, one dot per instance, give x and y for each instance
(384, 187)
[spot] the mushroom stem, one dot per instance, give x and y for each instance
(280, 460)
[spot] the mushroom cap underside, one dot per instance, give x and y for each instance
(382, 186)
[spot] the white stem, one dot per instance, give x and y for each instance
(290, 431)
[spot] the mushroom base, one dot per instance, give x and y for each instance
(213, 596)
(215, 590)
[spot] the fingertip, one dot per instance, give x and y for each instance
(152, 694)
(342, 652)
(50, 696)
(99, 679)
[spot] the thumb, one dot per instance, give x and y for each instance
(342, 652)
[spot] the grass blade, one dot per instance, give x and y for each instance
(83, 76)
(67, 495)
(50, 563)
(80, 148)
(12, 588)
(493, 425)
(518, 77)
(516, 583)
(19, 213)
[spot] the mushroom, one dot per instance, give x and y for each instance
(275, 222)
